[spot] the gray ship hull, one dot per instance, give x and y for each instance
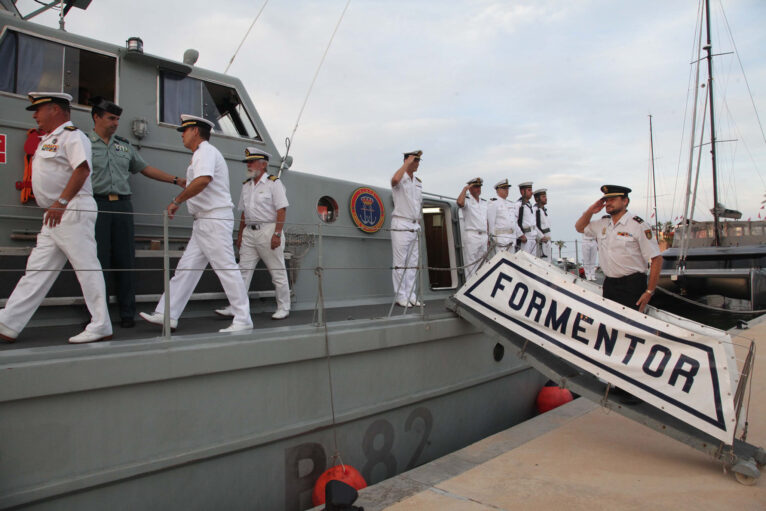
(245, 421)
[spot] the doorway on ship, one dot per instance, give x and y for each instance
(440, 245)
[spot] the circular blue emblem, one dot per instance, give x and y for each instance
(367, 210)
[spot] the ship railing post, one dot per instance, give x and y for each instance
(419, 280)
(577, 258)
(320, 270)
(165, 276)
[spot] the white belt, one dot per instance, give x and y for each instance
(413, 220)
(526, 229)
(504, 231)
(476, 230)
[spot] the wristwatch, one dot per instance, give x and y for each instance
(61, 201)
(278, 234)
(175, 180)
(175, 203)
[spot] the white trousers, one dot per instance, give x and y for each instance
(530, 245)
(474, 250)
(210, 243)
(544, 250)
(589, 253)
(404, 245)
(256, 246)
(74, 240)
(504, 242)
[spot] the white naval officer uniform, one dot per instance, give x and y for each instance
(405, 225)
(260, 201)
(210, 241)
(475, 243)
(58, 154)
(589, 253)
(502, 224)
(527, 224)
(624, 248)
(543, 228)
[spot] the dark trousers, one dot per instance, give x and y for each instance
(116, 250)
(625, 290)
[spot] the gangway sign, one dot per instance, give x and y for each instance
(685, 373)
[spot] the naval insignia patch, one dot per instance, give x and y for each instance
(648, 233)
(367, 211)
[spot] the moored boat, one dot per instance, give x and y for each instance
(200, 419)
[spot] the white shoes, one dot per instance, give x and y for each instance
(236, 327)
(402, 303)
(280, 314)
(86, 336)
(155, 318)
(416, 303)
(225, 312)
(7, 334)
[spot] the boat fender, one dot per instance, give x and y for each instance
(552, 396)
(345, 474)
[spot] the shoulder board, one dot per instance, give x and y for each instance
(273, 178)
(70, 128)
(121, 139)
(493, 198)
(638, 219)
(418, 180)
(247, 180)
(606, 216)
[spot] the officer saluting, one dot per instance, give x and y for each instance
(405, 224)
(625, 244)
(61, 184)
(475, 219)
(114, 160)
(526, 218)
(501, 218)
(263, 203)
(207, 193)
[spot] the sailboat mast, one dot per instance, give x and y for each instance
(654, 182)
(709, 50)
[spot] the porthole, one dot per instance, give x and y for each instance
(327, 209)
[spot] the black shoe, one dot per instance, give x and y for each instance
(127, 323)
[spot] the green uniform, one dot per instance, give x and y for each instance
(113, 164)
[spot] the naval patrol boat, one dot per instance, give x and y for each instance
(202, 420)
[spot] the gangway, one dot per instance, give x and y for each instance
(592, 346)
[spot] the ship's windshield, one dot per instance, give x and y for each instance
(32, 64)
(217, 103)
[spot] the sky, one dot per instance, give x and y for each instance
(550, 91)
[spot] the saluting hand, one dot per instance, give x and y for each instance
(597, 206)
(53, 214)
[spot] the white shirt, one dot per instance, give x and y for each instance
(624, 248)
(261, 200)
(208, 161)
(58, 154)
(528, 221)
(501, 217)
(475, 214)
(544, 222)
(408, 197)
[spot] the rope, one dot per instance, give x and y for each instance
(246, 34)
(288, 140)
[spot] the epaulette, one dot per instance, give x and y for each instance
(121, 139)
(273, 178)
(418, 180)
(638, 219)
(70, 128)
(246, 180)
(606, 216)
(493, 198)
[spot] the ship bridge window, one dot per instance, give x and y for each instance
(33, 64)
(219, 104)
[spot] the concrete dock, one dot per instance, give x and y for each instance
(581, 456)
